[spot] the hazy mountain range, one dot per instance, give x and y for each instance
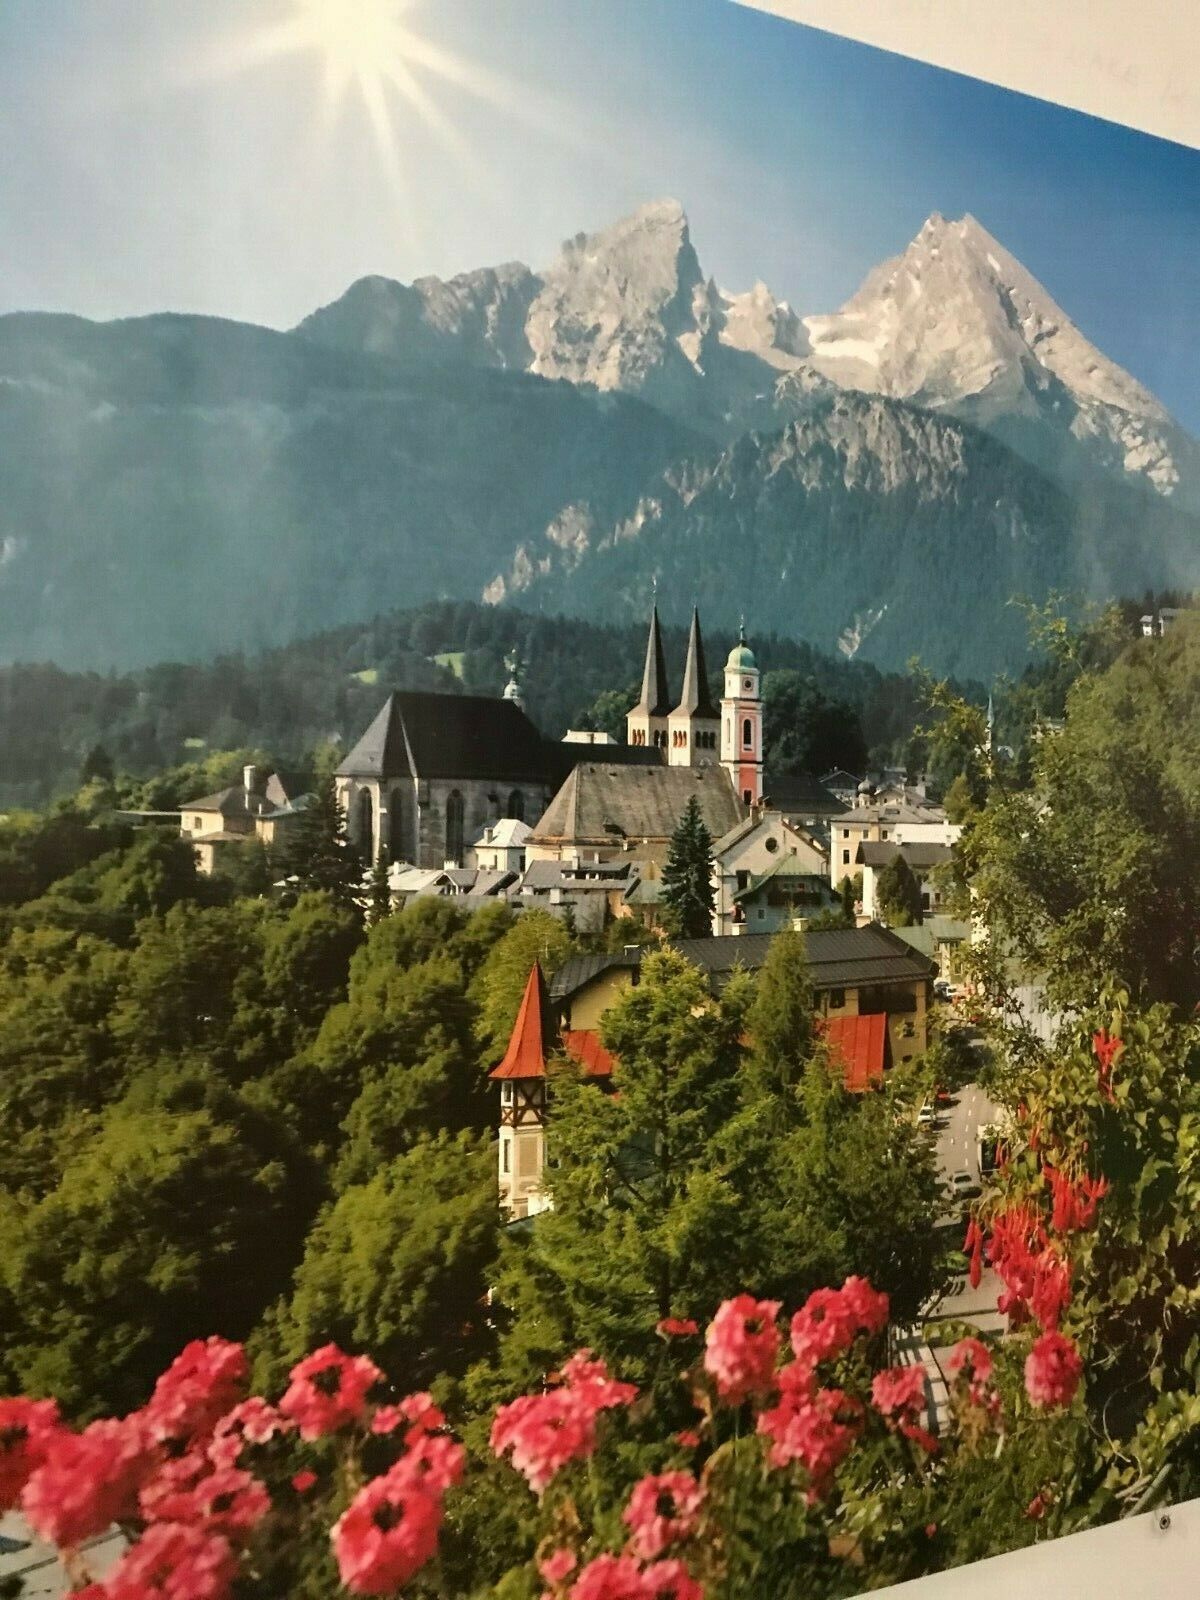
(882, 479)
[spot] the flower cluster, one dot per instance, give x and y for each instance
(328, 1390)
(970, 1363)
(1106, 1049)
(26, 1429)
(741, 1348)
(898, 1393)
(1037, 1279)
(390, 1529)
(1052, 1370)
(662, 1511)
(1074, 1201)
(831, 1319)
(541, 1433)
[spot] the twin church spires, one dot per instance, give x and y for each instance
(694, 733)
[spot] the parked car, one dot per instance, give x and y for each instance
(927, 1116)
(942, 990)
(964, 1185)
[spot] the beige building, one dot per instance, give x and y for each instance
(257, 808)
(756, 846)
(873, 822)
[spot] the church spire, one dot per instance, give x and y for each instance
(656, 692)
(695, 698)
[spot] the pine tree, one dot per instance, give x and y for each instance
(849, 899)
(898, 894)
(317, 853)
(687, 891)
(379, 891)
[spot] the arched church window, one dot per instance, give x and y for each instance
(747, 732)
(366, 823)
(454, 827)
(398, 842)
(516, 805)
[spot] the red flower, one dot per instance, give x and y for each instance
(559, 1564)
(676, 1327)
(87, 1480)
(662, 1511)
(176, 1561)
(302, 1482)
(1036, 1509)
(671, 1580)
(387, 1533)
(898, 1390)
(688, 1438)
(203, 1382)
(973, 1247)
(253, 1421)
(742, 1344)
(26, 1428)
(544, 1432)
(1051, 1289)
(436, 1461)
(328, 1390)
(1106, 1049)
(1052, 1370)
(611, 1577)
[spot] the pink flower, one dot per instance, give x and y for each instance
(898, 1390)
(176, 1561)
(544, 1432)
(611, 1578)
(87, 1480)
(226, 1501)
(831, 1319)
(813, 1426)
(253, 1421)
(26, 1428)
(328, 1389)
(435, 1460)
(387, 1533)
(1052, 1370)
(676, 1327)
(688, 1438)
(203, 1382)
(972, 1359)
(671, 1580)
(661, 1511)
(559, 1564)
(742, 1344)
(303, 1481)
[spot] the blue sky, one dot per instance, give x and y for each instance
(148, 163)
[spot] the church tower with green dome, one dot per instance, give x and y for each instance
(741, 723)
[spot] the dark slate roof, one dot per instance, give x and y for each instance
(541, 876)
(796, 793)
(425, 735)
(573, 974)
(839, 958)
(921, 854)
(655, 699)
(694, 697)
(603, 804)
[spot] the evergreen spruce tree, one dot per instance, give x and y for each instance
(849, 898)
(379, 891)
(780, 1022)
(687, 891)
(317, 853)
(898, 895)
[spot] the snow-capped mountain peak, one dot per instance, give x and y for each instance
(957, 323)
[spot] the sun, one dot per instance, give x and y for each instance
(363, 42)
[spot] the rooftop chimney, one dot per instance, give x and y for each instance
(252, 779)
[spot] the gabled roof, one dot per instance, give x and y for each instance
(797, 793)
(786, 869)
(526, 1056)
(859, 1045)
(655, 698)
(236, 801)
(583, 1045)
(838, 958)
(510, 833)
(921, 854)
(425, 735)
(602, 804)
(694, 697)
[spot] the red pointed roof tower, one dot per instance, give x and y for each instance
(526, 1053)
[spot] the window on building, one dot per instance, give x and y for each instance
(743, 881)
(516, 806)
(836, 999)
(505, 1155)
(845, 858)
(454, 827)
(747, 733)
(398, 841)
(366, 828)
(845, 833)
